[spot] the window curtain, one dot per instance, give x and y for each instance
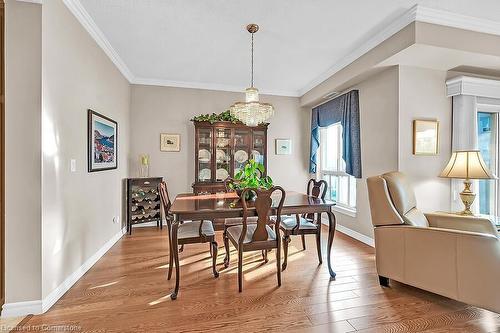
(343, 109)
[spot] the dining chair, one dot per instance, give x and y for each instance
(257, 236)
(227, 222)
(189, 232)
(306, 224)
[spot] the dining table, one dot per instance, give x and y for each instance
(220, 206)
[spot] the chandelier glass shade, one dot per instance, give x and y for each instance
(252, 112)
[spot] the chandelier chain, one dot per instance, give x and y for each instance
(252, 61)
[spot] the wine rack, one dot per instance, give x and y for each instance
(143, 201)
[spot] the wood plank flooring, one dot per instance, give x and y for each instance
(127, 291)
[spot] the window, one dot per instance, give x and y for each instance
(341, 186)
(487, 123)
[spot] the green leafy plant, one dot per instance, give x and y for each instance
(251, 176)
(214, 117)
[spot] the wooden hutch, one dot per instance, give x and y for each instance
(222, 149)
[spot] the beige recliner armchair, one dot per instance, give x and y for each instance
(454, 256)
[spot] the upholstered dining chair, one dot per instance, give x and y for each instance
(306, 224)
(451, 255)
(257, 236)
(235, 220)
(189, 232)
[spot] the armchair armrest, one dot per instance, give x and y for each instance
(463, 223)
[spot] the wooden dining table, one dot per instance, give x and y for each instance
(217, 207)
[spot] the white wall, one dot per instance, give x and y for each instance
(23, 151)
(422, 95)
(378, 104)
(78, 208)
(158, 110)
(389, 102)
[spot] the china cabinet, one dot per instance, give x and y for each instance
(143, 201)
(222, 149)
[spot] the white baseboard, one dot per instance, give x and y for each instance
(352, 233)
(356, 235)
(148, 224)
(19, 309)
(37, 307)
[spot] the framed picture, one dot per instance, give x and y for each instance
(170, 142)
(283, 146)
(102, 142)
(425, 137)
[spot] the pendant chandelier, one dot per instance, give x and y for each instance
(252, 112)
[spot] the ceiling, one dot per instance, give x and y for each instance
(203, 43)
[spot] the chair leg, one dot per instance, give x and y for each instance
(170, 260)
(175, 246)
(318, 245)
(210, 247)
(278, 263)
(303, 242)
(240, 270)
(181, 248)
(213, 248)
(226, 246)
(286, 240)
(264, 256)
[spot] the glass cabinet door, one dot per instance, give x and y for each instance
(242, 146)
(258, 146)
(204, 152)
(222, 153)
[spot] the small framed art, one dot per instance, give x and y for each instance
(283, 146)
(170, 142)
(425, 137)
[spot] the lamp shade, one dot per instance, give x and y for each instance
(467, 164)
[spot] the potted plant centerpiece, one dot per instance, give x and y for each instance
(252, 176)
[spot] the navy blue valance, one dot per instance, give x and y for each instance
(343, 109)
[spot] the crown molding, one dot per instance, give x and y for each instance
(473, 86)
(455, 20)
(88, 23)
(398, 24)
(416, 13)
(208, 86)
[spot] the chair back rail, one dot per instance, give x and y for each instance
(165, 202)
(263, 204)
(317, 189)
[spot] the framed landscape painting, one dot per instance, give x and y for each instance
(102, 142)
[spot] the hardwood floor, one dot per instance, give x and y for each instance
(127, 291)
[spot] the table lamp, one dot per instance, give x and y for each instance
(467, 165)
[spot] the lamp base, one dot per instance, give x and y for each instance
(468, 198)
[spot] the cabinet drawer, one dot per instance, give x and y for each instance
(145, 181)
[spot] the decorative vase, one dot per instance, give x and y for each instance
(144, 163)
